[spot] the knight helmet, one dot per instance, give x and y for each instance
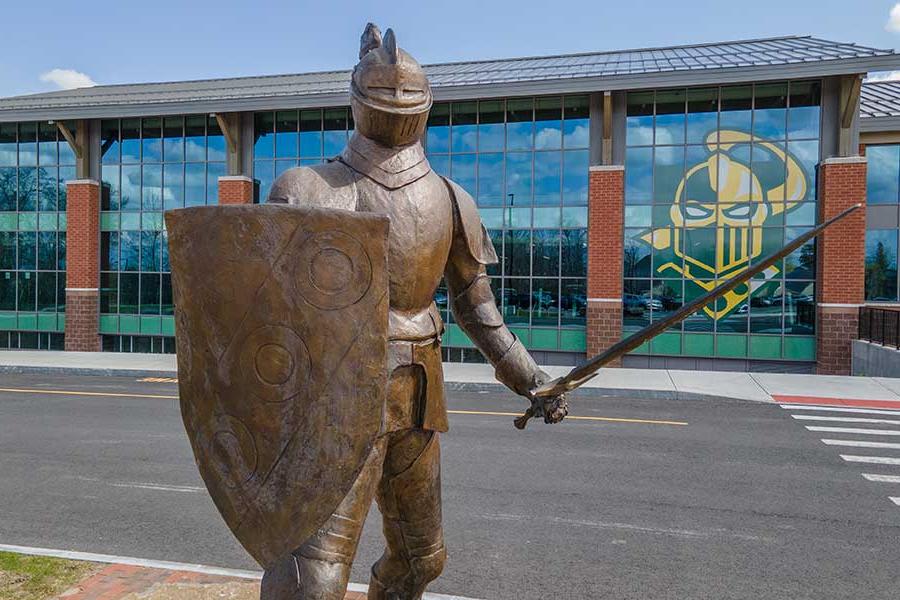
(389, 92)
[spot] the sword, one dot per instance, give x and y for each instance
(584, 373)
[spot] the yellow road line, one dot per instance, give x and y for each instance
(78, 393)
(573, 417)
(452, 412)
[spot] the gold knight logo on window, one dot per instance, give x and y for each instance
(723, 211)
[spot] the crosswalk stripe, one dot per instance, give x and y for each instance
(853, 430)
(862, 444)
(882, 478)
(845, 419)
(875, 460)
(865, 411)
(894, 404)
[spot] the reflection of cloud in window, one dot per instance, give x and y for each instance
(547, 138)
(194, 151)
(577, 138)
(640, 136)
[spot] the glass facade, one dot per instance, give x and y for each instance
(148, 166)
(525, 161)
(35, 163)
(715, 179)
(882, 188)
(291, 138)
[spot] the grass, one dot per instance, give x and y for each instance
(38, 577)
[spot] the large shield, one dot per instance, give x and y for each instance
(281, 332)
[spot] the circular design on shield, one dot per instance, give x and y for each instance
(275, 362)
(234, 451)
(333, 270)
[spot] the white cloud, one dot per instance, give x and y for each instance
(884, 76)
(67, 79)
(893, 23)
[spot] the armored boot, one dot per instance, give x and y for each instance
(320, 568)
(409, 498)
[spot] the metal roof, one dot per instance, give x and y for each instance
(723, 62)
(879, 106)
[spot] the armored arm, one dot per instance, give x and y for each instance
(475, 309)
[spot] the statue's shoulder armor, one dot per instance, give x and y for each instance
(477, 241)
(329, 185)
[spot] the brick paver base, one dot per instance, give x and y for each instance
(115, 582)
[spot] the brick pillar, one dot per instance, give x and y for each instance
(83, 265)
(606, 209)
(235, 189)
(840, 263)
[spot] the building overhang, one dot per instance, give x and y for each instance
(214, 96)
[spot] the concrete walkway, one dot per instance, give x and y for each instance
(636, 383)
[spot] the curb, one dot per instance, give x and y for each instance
(597, 393)
(87, 371)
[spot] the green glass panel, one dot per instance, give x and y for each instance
(61, 323)
(642, 349)
(48, 222)
(7, 321)
(456, 337)
(666, 343)
(131, 221)
(152, 221)
(150, 325)
(27, 222)
(46, 322)
(450, 331)
(63, 221)
(765, 346)
(109, 221)
(167, 326)
(573, 341)
(129, 324)
(544, 339)
(8, 221)
(662, 215)
(797, 347)
(732, 346)
(523, 333)
(109, 324)
(27, 321)
(699, 344)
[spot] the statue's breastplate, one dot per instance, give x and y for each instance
(421, 232)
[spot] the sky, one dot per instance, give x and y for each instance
(53, 44)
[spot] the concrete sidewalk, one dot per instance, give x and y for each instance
(634, 383)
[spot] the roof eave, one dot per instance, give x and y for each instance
(879, 124)
(530, 87)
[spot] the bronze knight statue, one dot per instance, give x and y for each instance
(435, 232)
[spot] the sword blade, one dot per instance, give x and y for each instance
(579, 375)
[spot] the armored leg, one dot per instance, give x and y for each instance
(320, 568)
(409, 497)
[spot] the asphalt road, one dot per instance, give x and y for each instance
(741, 502)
